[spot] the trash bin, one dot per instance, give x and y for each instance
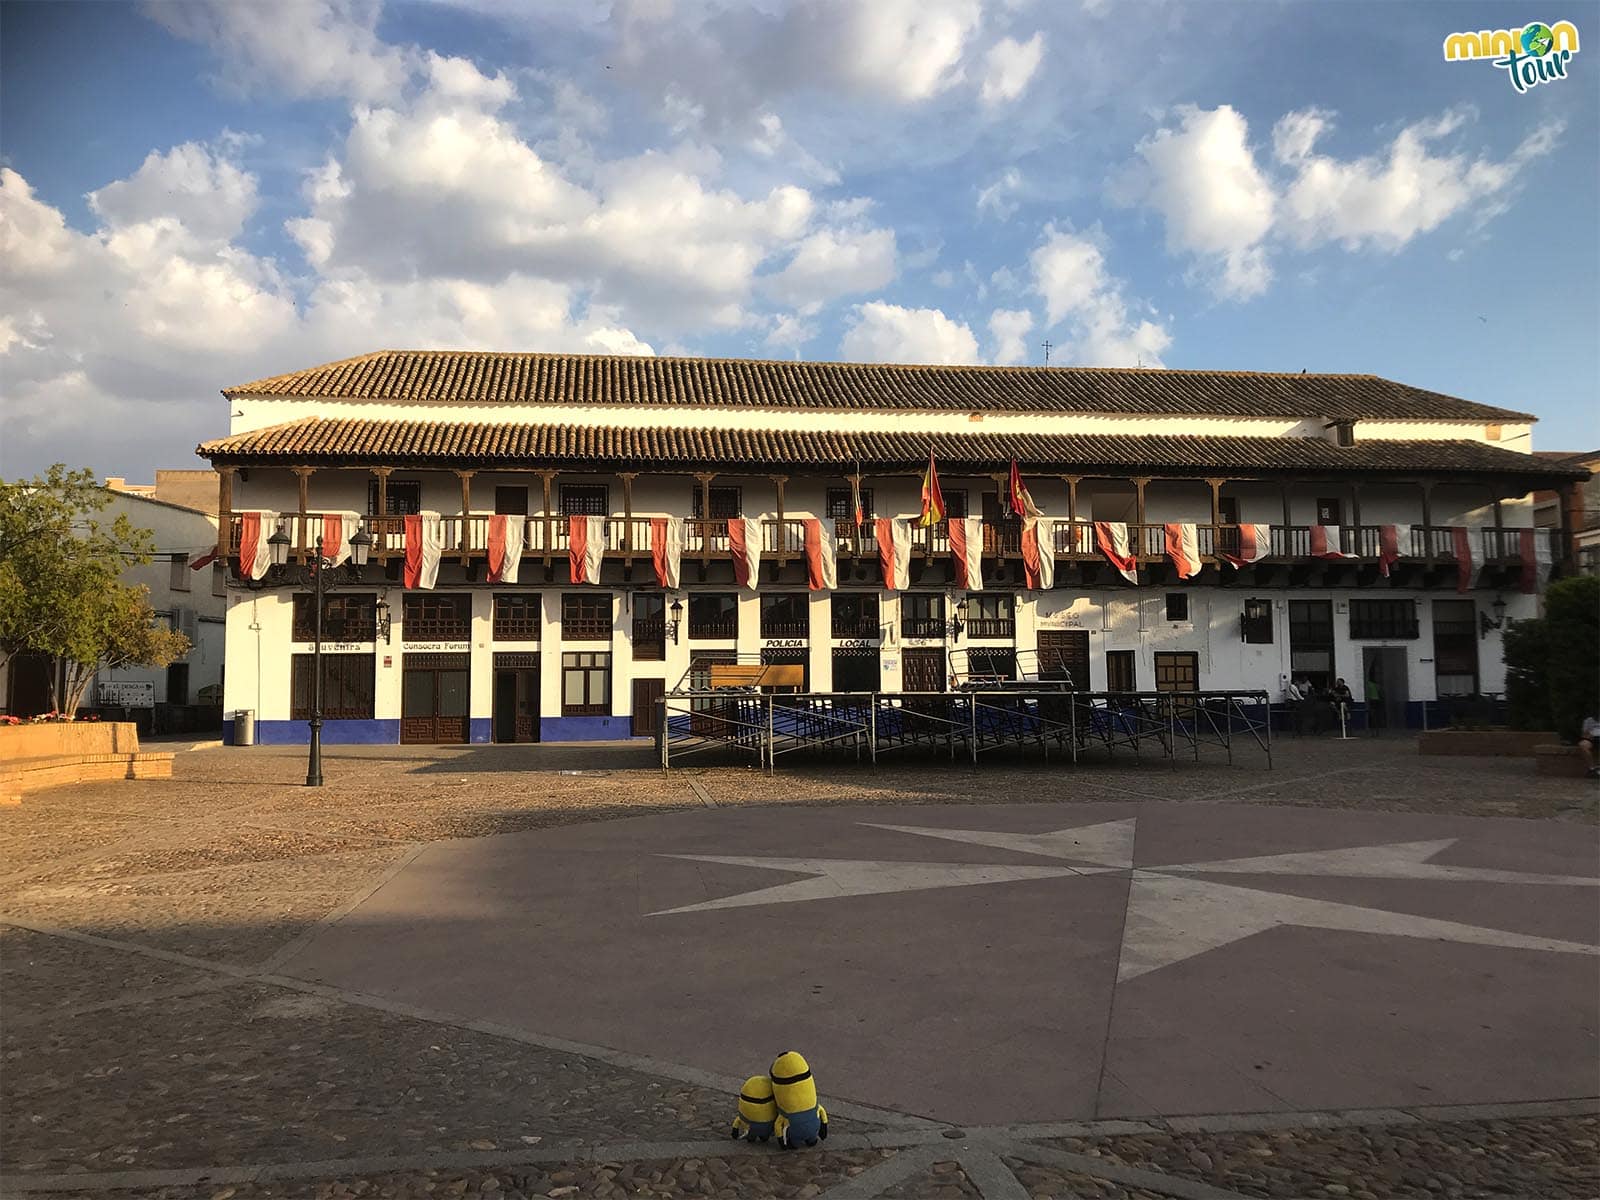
(244, 727)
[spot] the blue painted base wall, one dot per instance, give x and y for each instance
(480, 731)
(298, 733)
(584, 729)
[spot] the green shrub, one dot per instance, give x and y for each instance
(1553, 663)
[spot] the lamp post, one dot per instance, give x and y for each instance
(1485, 624)
(959, 621)
(360, 547)
(676, 620)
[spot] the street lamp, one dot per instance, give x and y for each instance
(676, 612)
(959, 621)
(360, 549)
(1485, 624)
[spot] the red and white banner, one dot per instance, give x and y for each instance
(1038, 553)
(336, 531)
(744, 541)
(586, 548)
(424, 545)
(1327, 541)
(255, 556)
(506, 536)
(1183, 548)
(1466, 559)
(1255, 543)
(966, 548)
(1112, 538)
(1394, 543)
(822, 556)
(666, 549)
(894, 552)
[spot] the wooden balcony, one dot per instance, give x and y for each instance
(466, 539)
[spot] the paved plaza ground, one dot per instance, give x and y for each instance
(543, 971)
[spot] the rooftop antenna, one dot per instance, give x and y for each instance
(1047, 348)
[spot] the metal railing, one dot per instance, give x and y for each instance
(1060, 724)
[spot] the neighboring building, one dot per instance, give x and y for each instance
(1583, 515)
(1299, 464)
(191, 601)
(187, 489)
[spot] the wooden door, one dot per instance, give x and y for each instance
(434, 699)
(922, 670)
(1064, 657)
(647, 694)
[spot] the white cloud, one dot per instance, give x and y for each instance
(1384, 201)
(907, 50)
(1008, 67)
(193, 184)
(304, 47)
(1008, 327)
(1203, 179)
(996, 199)
(888, 333)
(1070, 275)
(1224, 208)
(832, 263)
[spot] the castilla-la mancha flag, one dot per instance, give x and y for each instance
(1183, 548)
(1038, 553)
(586, 547)
(822, 557)
(744, 541)
(966, 548)
(424, 545)
(666, 549)
(255, 556)
(1112, 538)
(894, 552)
(506, 535)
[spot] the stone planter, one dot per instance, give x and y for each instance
(57, 739)
(1484, 743)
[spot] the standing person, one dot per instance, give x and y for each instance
(1291, 701)
(1377, 717)
(1342, 699)
(1587, 744)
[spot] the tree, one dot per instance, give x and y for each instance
(111, 629)
(61, 592)
(1553, 663)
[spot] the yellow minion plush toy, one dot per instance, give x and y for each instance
(801, 1120)
(757, 1112)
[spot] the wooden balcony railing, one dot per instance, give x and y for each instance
(467, 537)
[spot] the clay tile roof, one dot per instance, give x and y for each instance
(475, 377)
(354, 442)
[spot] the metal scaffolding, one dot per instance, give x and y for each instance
(1057, 724)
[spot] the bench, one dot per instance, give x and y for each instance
(749, 676)
(1552, 758)
(58, 770)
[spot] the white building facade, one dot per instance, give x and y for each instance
(1326, 526)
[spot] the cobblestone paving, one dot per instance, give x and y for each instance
(1540, 1157)
(117, 1059)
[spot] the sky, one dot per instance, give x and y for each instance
(196, 195)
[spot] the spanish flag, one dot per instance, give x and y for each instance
(932, 497)
(1021, 499)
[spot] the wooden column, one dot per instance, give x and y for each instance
(705, 478)
(1072, 482)
(1139, 483)
(1287, 522)
(548, 537)
(1355, 507)
(783, 544)
(224, 511)
(303, 537)
(1569, 508)
(1216, 502)
(627, 478)
(1427, 519)
(464, 545)
(381, 474)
